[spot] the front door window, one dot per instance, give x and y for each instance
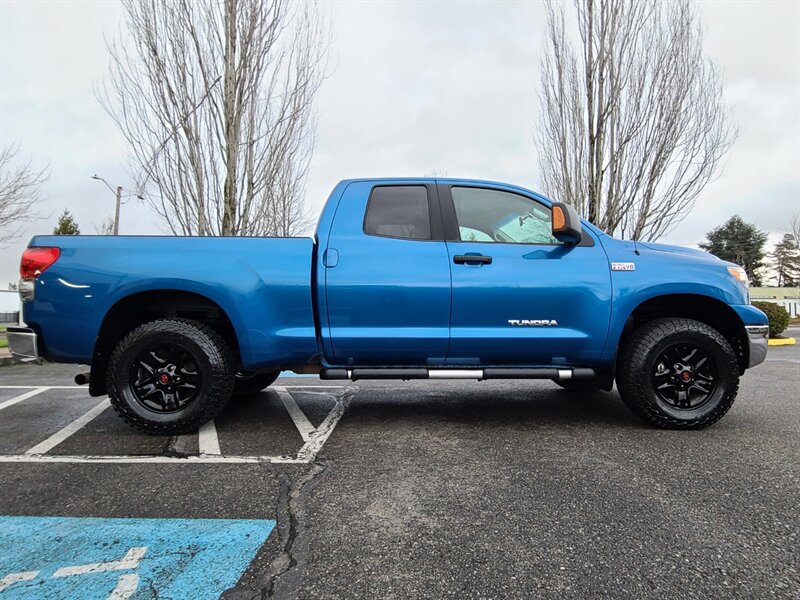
(495, 216)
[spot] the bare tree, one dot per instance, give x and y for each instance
(106, 227)
(215, 99)
(794, 228)
(633, 123)
(20, 192)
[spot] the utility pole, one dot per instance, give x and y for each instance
(116, 211)
(118, 195)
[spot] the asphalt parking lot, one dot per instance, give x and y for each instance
(407, 490)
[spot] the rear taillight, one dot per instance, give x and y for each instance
(36, 260)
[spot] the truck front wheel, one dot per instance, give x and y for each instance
(677, 373)
(170, 376)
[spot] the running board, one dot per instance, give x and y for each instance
(477, 374)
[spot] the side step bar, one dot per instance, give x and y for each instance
(478, 374)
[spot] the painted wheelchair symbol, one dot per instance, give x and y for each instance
(126, 583)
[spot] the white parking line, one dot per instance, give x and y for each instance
(152, 459)
(299, 418)
(207, 440)
(46, 387)
(59, 436)
(22, 397)
(310, 449)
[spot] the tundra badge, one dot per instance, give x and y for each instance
(533, 322)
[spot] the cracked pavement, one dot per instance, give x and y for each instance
(481, 490)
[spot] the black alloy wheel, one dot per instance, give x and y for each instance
(685, 376)
(165, 378)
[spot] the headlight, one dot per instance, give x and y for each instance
(739, 274)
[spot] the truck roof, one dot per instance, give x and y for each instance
(433, 180)
(457, 180)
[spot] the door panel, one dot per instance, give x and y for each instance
(388, 298)
(534, 303)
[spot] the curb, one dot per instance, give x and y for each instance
(782, 342)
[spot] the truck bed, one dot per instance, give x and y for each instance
(262, 284)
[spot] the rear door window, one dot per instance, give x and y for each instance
(399, 211)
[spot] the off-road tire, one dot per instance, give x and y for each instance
(639, 355)
(214, 360)
(252, 384)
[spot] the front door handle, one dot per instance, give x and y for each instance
(472, 259)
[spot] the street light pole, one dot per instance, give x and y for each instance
(118, 195)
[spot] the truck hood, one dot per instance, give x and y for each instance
(677, 250)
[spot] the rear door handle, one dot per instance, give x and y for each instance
(472, 259)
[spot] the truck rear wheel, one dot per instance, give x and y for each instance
(677, 374)
(170, 376)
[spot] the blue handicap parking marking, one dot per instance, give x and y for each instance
(293, 375)
(94, 558)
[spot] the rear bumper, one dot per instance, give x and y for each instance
(757, 338)
(23, 343)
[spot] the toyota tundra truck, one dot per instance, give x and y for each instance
(404, 279)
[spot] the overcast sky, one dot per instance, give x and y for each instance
(417, 88)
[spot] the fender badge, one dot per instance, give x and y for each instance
(533, 322)
(623, 266)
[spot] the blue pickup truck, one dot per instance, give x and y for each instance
(403, 279)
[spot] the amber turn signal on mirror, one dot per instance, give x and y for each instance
(559, 221)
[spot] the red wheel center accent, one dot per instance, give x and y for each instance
(686, 376)
(164, 378)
